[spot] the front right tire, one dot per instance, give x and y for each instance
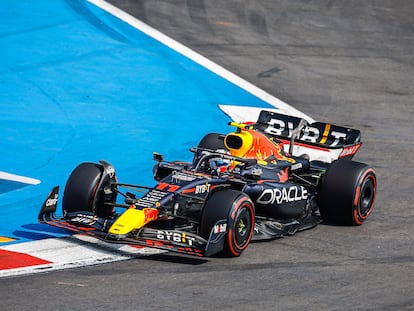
(238, 209)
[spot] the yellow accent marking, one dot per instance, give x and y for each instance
(238, 125)
(130, 220)
(5, 239)
(247, 142)
(325, 133)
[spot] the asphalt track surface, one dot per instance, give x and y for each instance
(346, 62)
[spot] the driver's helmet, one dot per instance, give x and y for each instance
(219, 166)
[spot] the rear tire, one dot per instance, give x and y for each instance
(213, 141)
(347, 193)
(82, 194)
(238, 209)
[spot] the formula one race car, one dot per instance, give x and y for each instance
(246, 185)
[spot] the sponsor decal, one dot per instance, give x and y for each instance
(200, 189)
(167, 187)
(348, 151)
(84, 219)
(52, 201)
(110, 170)
(217, 233)
(174, 236)
(220, 228)
(310, 133)
(296, 166)
(257, 172)
(283, 195)
(151, 199)
(176, 176)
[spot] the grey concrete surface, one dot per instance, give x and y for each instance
(346, 62)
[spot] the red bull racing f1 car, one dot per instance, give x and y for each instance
(265, 180)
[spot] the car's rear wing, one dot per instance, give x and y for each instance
(321, 141)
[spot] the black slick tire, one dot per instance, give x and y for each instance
(238, 209)
(213, 141)
(347, 192)
(81, 191)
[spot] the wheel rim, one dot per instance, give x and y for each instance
(366, 199)
(242, 227)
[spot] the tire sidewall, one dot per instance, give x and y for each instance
(81, 188)
(227, 204)
(364, 190)
(341, 192)
(81, 192)
(242, 210)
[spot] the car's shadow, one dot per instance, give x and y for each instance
(175, 258)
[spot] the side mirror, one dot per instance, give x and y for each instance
(157, 157)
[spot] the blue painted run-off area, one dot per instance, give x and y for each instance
(78, 85)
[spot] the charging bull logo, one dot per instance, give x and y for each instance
(150, 214)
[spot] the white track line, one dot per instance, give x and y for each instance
(17, 178)
(198, 58)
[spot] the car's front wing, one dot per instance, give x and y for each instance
(169, 240)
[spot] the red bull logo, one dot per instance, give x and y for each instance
(151, 214)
